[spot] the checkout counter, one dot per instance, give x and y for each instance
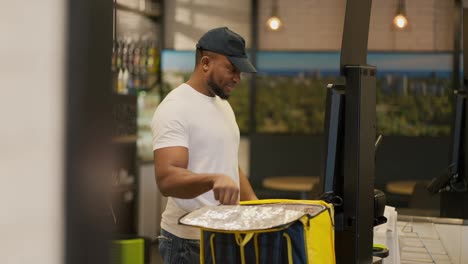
(425, 240)
(417, 239)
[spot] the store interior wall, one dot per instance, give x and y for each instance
(185, 21)
(312, 25)
(32, 134)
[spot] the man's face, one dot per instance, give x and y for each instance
(217, 90)
(222, 77)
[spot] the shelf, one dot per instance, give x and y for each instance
(125, 139)
(150, 14)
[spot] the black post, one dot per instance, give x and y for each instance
(253, 59)
(354, 239)
(464, 143)
(162, 45)
(457, 35)
(465, 83)
(454, 197)
(88, 224)
(354, 242)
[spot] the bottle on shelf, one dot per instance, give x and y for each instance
(125, 81)
(152, 66)
(118, 56)
(120, 83)
(136, 55)
(125, 55)
(114, 57)
(135, 63)
(130, 55)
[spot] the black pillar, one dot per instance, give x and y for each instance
(354, 239)
(457, 35)
(253, 59)
(88, 224)
(454, 194)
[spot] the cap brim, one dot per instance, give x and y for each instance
(242, 64)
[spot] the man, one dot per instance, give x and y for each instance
(196, 141)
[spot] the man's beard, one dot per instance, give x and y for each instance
(217, 90)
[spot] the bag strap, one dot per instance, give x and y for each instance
(257, 251)
(241, 242)
(289, 244)
(212, 245)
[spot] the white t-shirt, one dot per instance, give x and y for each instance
(207, 127)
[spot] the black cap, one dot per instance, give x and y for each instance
(227, 42)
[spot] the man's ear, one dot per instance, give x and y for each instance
(205, 60)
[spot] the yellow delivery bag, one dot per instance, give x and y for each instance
(273, 231)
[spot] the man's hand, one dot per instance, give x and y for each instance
(225, 190)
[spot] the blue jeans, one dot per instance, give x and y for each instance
(176, 250)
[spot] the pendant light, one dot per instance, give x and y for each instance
(400, 20)
(274, 22)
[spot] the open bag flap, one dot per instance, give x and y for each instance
(249, 217)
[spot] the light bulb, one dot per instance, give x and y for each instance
(400, 21)
(274, 23)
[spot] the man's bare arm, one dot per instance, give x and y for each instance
(246, 191)
(175, 180)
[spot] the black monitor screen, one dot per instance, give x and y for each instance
(453, 178)
(332, 176)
